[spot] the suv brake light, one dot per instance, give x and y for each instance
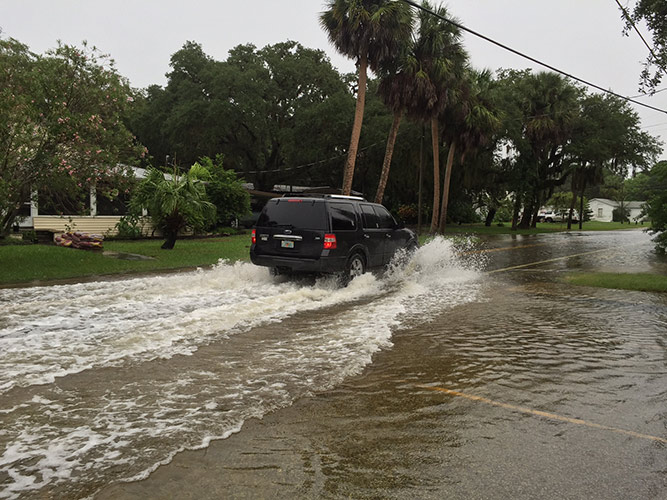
(329, 241)
(254, 237)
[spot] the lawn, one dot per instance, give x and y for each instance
(544, 227)
(26, 263)
(623, 281)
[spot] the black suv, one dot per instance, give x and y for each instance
(326, 234)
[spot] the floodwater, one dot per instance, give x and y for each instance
(468, 371)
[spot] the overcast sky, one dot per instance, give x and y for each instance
(583, 38)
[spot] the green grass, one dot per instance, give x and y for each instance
(623, 281)
(23, 264)
(546, 227)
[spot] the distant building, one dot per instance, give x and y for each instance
(602, 209)
(102, 214)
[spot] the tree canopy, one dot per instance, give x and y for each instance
(656, 205)
(654, 14)
(62, 124)
(267, 110)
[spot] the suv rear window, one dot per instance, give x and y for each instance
(302, 214)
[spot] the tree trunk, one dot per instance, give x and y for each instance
(490, 216)
(572, 204)
(527, 214)
(515, 212)
(386, 164)
(436, 174)
(536, 211)
(170, 241)
(445, 187)
(581, 206)
(421, 171)
(8, 221)
(348, 174)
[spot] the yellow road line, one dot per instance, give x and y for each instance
(552, 260)
(489, 250)
(544, 414)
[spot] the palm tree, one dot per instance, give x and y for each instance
(475, 120)
(174, 202)
(438, 55)
(394, 89)
(372, 31)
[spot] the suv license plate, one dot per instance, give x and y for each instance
(287, 244)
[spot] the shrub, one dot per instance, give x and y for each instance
(129, 227)
(29, 236)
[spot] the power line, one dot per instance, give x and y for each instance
(312, 164)
(648, 95)
(632, 23)
(532, 59)
(655, 125)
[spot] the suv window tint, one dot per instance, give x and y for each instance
(343, 217)
(370, 220)
(385, 218)
(303, 214)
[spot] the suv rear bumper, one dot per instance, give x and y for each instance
(300, 265)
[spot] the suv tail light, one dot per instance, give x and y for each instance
(254, 237)
(329, 241)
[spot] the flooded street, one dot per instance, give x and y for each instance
(468, 372)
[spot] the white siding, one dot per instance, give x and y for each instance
(100, 224)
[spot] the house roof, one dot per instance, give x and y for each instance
(612, 203)
(606, 201)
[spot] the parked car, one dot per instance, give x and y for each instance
(550, 215)
(333, 234)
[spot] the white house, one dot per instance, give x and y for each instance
(94, 222)
(603, 208)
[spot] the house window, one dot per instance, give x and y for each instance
(600, 212)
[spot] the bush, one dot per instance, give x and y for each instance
(620, 215)
(224, 189)
(408, 213)
(129, 228)
(29, 236)
(8, 241)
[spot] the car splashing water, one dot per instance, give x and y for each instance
(101, 382)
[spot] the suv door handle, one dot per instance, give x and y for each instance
(366, 236)
(388, 235)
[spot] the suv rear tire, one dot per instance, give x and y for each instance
(356, 266)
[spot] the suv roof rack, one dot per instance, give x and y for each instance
(322, 195)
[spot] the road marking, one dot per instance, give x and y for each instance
(489, 250)
(552, 260)
(544, 414)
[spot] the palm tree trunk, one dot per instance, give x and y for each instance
(445, 187)
(391, 140)
(170, 240)
(421, 175)
(435, 142)
(348, 174)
